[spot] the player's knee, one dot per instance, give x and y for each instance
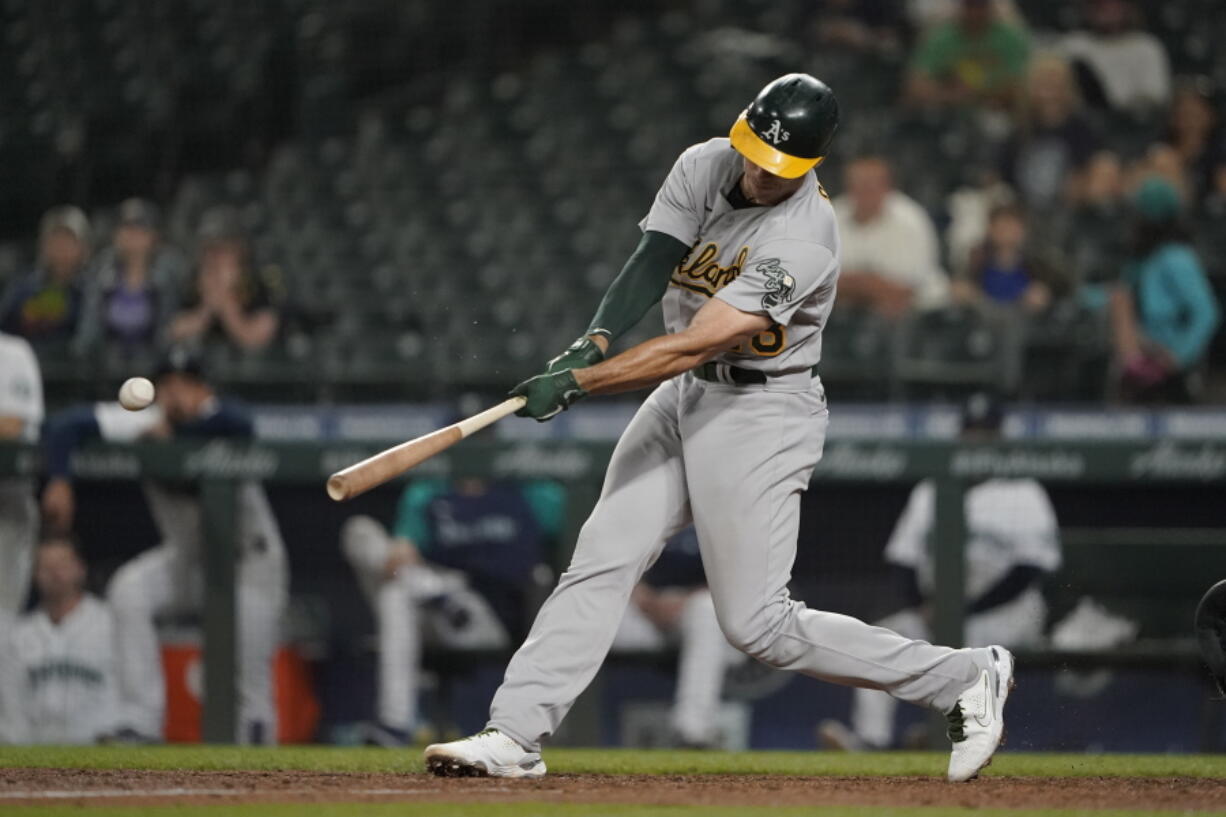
(758, 633)
(750, 637)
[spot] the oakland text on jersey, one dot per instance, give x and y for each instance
(702, 272)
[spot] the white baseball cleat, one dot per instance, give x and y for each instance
(489, 753)
(977, 721)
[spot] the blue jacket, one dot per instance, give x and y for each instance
(1175, 305)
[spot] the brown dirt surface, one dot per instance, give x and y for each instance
(124, 787)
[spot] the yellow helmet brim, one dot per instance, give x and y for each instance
(767, 157)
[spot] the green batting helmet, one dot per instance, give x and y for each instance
(788, 127)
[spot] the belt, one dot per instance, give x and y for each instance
(715, 372)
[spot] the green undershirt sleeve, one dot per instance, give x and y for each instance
(640, 284)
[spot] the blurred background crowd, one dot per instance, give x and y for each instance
(312, 205)
(322, 197)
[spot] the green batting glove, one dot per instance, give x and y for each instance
(548, 394)
(580, 354)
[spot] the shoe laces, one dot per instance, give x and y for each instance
(483, 733)
(957, 724)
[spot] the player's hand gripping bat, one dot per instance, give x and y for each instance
(359, 478)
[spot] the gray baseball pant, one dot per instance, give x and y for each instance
(735, 459)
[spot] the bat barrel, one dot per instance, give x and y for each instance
(386, 465)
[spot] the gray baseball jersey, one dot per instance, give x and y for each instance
(734, 459)
(780, 261)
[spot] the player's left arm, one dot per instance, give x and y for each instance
(716, 328)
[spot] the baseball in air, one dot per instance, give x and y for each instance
(136, 393)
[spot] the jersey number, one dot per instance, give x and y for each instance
(767, 343)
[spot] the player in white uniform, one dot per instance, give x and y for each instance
(169, 578)
(745, 242)
(1013, 540)
(21, 414)
(57, 674)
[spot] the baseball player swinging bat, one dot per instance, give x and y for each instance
(373, 471)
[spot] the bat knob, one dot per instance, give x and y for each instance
(338, 488)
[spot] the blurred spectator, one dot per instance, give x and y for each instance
(456, 570)
(1012, 542)
(46, 304)
(135, 287)
(1005, 271)
(969, 208)
(926, 14)
(1119, 65)
(1164, 313)
(890, 252)
(21, 414)
(1195, 134)
(867, 26)
(672, 606)
(1093, 240)
(1166, 163)
(232, 300)
(58, 677)
(978, 58)
(1053, 140)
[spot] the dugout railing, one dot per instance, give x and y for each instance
(218, 466)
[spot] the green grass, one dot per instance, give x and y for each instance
(531, 809)
(612, 761)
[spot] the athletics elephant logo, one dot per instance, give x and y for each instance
(780, 285)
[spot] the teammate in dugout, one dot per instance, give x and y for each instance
(21, 416)
(742, 245)
(57, 677)
(1012, 542)
(169, 577)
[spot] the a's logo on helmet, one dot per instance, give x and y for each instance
(775, 133)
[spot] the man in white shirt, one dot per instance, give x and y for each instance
(21, 414)
(1120, 65)
(57, 675)
(890, 254)
(1012, 542)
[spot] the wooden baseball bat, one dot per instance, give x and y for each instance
(359, 478)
